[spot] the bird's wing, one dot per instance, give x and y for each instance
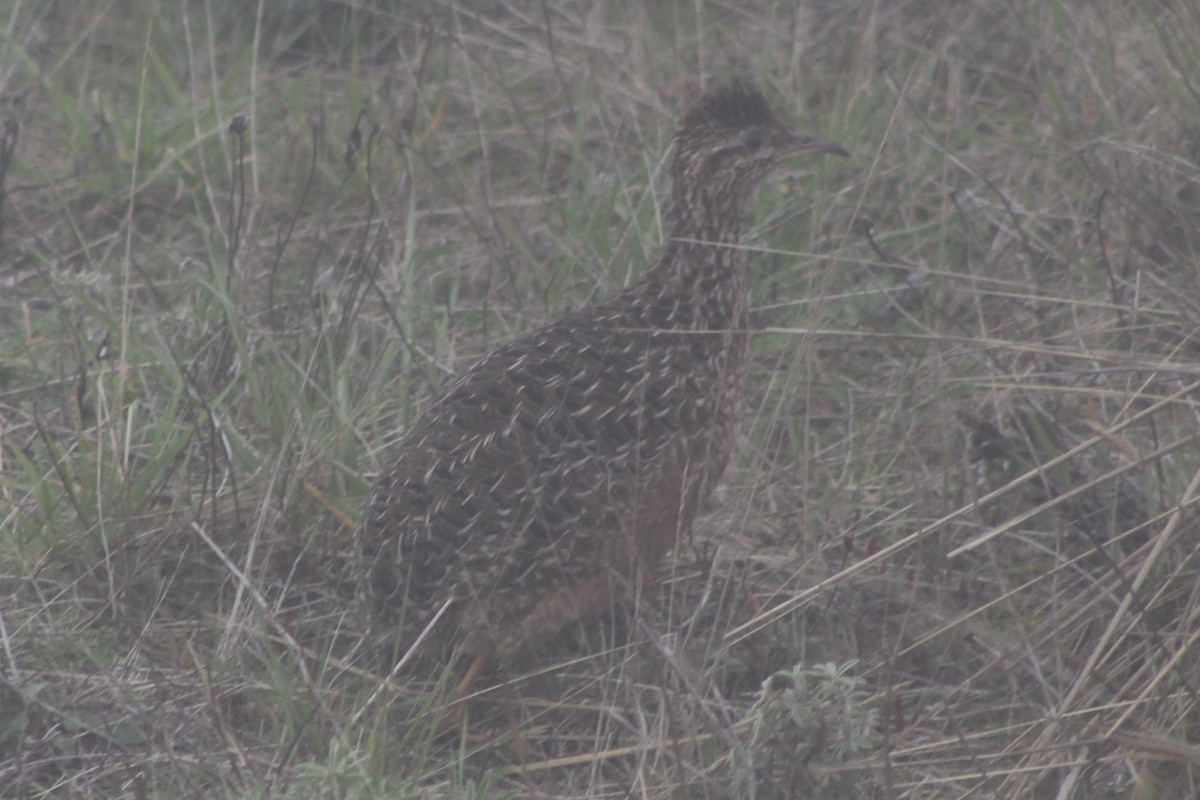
(529, 462)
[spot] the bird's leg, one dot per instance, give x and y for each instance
(468, 680)
(457, 706)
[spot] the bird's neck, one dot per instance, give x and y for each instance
(691, 260)
(702, 269)
(704, 246)
(706, 214)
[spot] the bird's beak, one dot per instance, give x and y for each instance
(798, 144)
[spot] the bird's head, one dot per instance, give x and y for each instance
(726, 144)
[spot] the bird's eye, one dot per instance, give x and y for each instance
(753, 140)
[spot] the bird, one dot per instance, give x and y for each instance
(554, 474)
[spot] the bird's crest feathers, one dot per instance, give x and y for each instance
(736, 104)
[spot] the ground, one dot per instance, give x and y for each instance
(242, 246)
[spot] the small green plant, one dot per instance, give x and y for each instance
(807, 725)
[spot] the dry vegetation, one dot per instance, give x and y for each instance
(957, 559)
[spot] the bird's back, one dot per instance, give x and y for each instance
(576, 453)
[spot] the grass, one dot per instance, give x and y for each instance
(956, 558)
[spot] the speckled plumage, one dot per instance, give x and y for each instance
(563, 464)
